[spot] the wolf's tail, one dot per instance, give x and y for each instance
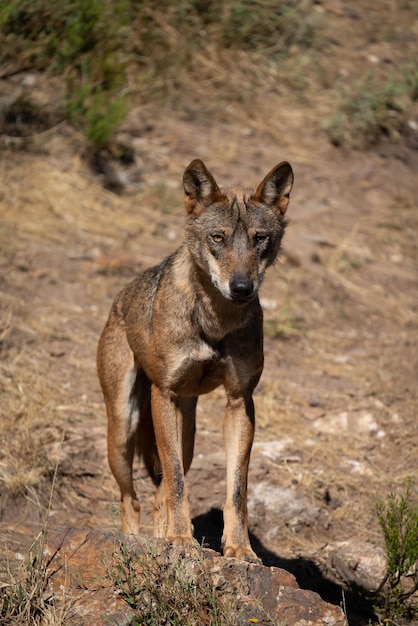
(146, 444)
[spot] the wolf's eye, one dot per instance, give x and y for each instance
(260, 238)
(217, 238)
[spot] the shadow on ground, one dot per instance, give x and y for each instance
(358, 606)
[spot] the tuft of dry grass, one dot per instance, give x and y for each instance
(170, 585)
(30, 439)
(24, 596)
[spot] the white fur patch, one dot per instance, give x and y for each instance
(222, 285)
(132, 409)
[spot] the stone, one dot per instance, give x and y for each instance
(78, 566)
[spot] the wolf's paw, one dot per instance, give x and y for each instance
(130, 513)
(239, 552)
(181, 541)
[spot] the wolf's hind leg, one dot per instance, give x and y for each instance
(118, 376)
(122, 437)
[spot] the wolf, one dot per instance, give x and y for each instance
(181, 329)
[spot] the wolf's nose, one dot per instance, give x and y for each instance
(242, 287)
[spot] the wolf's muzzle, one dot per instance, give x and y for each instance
(242, 288)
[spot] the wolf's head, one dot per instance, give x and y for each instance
(235, 234)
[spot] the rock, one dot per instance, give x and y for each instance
(358, 421)
(366, 560)
(287, 505)
(78, 566)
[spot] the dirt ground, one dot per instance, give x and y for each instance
(337, 404)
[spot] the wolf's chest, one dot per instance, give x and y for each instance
(199, 371)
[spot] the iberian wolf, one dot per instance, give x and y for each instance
(180, 330)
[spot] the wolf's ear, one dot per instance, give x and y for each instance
(199, 186)
(275, 189)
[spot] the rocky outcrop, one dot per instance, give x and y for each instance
(79, 563)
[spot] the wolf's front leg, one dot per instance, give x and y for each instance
(168, 434)
(238, 437)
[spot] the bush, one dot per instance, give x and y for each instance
(373, 108)
(87, 41)
(398, 519)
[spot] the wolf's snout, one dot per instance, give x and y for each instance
(242, 287)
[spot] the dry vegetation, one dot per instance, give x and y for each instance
(331, 88)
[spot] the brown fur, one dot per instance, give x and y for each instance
(181, 329)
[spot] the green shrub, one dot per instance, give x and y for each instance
(398, 519)
(373, 108)
(87, 41)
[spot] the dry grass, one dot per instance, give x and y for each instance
(24, 596)
(171, 586)
(27, 430)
